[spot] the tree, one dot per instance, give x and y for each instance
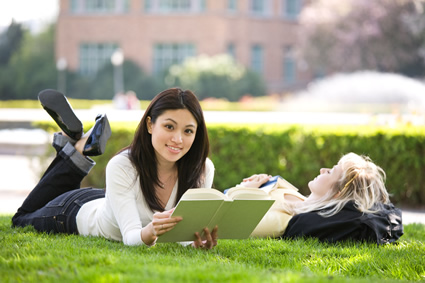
(216, 76)
(30, 66)
(10, 41)
(33, 65)
(355, 35)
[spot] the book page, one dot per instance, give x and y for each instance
(282, 183)
(203, 193)
(246, 193)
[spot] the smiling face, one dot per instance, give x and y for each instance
(173, 134)
(323, 183)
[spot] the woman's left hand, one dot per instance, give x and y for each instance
(209, 242)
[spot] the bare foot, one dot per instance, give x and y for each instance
(79, 145)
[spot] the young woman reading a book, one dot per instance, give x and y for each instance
(348, 201)
(144, 181)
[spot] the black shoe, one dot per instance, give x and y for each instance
(101, 131)
(58, 107)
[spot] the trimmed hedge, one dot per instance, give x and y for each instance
(297, 153)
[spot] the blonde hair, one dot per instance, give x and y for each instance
(361, 182)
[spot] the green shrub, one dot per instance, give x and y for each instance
(297, 153)
(215, 76)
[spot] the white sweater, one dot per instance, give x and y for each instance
(123, 212)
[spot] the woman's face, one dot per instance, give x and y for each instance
(173, 134)
(320, 185)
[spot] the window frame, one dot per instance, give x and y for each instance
(94, 56)
(105, 7)
(266, 8)
(291, 15)
(167, 54)
(232, 6)
(174, 6)
(289, 65)
(257, 58)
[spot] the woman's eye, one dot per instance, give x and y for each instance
(189, 131)
(170, 127)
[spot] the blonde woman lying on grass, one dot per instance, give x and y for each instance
(348, 201)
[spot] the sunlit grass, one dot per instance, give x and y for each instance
(28, 256)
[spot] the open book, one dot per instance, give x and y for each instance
(236, 213)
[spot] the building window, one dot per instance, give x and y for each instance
(260, 8)
(74, 6)
(99, 6)
(231, 50)
(289, 65)
(232, 5)
(203, 5)
(166, 55)
(257, 58)
(291, 8)
(175, 6)
(93, 56)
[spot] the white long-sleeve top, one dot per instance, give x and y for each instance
(123, 212)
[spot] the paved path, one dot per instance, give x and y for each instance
(255, 117)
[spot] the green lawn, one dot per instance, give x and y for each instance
(27, 256)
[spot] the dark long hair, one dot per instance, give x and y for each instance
(190, 168)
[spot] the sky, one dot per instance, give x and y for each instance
(32, 13)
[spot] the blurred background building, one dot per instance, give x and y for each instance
(259, 34)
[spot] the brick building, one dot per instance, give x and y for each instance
(260, 34)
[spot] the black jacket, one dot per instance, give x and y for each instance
(348, 224)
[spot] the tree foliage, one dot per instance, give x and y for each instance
(10, 40)
(350, 35)
(30, 66)
(33, 64)
(215, 76)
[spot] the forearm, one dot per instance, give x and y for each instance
(148, 235)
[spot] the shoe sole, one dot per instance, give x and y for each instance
(61, 111)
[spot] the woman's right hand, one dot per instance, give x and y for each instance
(255, 181)
(162, 222)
